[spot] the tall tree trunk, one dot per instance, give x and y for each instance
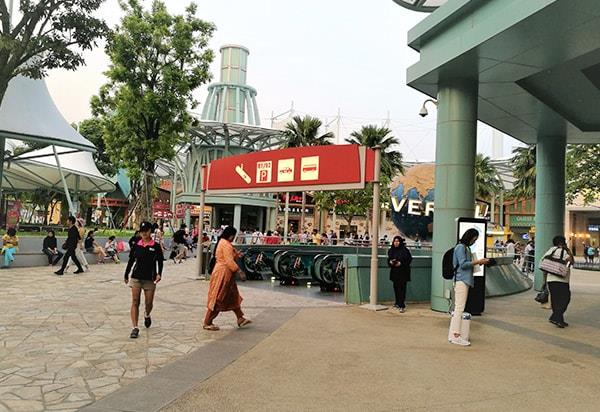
(143, 212)
(301, 230)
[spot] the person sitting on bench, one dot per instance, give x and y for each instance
(50, 249)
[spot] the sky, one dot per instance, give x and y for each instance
(324, 56)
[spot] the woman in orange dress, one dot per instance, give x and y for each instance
(223, 294)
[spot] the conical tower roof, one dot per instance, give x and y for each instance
(29, 113)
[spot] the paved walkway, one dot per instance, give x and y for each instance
(348, 359)
(64, 345)
(64, 341)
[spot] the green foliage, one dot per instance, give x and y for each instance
(93, 130)
(583, 172)
(523, 163)
(304, 131)
(347, 203)
(371, 136)
(157, 61)
(50, 34)
(487, 182)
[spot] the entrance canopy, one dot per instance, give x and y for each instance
(537, 63)
(39, 169)
(29, 113)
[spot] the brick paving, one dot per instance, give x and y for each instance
(64, 341)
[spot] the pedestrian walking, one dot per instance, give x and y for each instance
(463, 262)
(79, 224)
(223, 294)
(50, 248)
(70, 245)
(399, 260)
(146, 266)
(560, 292)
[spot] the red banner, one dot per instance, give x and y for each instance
(296, 169)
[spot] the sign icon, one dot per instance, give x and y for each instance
(309, 168)
(240, 171)
(285, 170)
(264, 171)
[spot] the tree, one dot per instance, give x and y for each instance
(347, 203)
(371, 136)
(51, 34)
(487, 182)
(157, 61)
(93, 130)
(583, 172)
(523, 163)
(304, 131)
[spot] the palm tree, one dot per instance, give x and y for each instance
(487, 182)
(371, 136)
(523, 163)
(304, 131)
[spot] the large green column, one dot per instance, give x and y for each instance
(549, 196)
(456, 145)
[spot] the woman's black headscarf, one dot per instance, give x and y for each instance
(397, 252)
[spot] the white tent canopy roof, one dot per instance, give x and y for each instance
(38, 169)
(29, 113)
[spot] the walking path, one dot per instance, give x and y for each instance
(64, 346)
(64, 341)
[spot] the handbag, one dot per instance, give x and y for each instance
(555, 266)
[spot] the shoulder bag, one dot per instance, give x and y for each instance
(555, 266)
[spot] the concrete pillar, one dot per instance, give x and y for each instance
(260, 221)
(272, 223)
(237, 217)
(549, 196)
(456, 142)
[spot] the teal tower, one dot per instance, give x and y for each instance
(231, 100)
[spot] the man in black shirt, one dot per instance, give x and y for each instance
(146, 266)
(71, 243)
(50, 249)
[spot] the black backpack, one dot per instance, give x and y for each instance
(448, 268)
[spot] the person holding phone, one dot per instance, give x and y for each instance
(399, 260)
(146, 266)
(464, 264)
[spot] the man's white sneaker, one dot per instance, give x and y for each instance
(460, 341)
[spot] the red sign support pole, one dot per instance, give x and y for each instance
(200, 247)
(372, 305)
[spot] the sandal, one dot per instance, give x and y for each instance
(210, 327)
(244, 322)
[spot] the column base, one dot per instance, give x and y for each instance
(375, 308)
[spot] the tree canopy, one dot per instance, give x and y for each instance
(304, 131)
(157, 61)
(50, 34)
(487, 182)
(523, 163)
(371, 136)
(93, 130)
(583, 172)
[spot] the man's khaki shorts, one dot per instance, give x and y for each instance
(142, 284)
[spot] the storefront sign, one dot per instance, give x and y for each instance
(296, 169)
(522, 220)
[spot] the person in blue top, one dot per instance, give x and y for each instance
(464, 264)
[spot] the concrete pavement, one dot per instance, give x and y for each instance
(348, 359)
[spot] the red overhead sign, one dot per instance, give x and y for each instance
(296, 169)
